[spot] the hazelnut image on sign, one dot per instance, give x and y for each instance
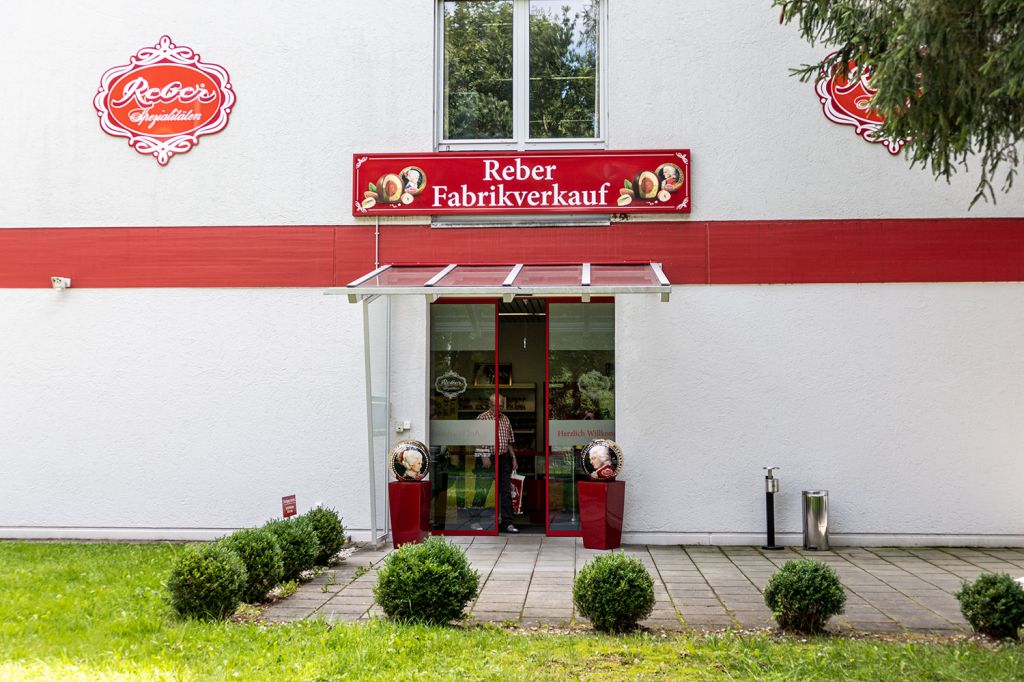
(389, 188)
(664, 195)
(645, 186)
(406, 198)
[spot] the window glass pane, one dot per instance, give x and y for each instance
(563, 68)
(477, 69)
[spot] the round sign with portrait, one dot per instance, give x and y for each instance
(413, 179)
(670, 177)
(602, 459)
(409, 460)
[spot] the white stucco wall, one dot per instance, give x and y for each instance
(904, 401)
(178, 412)
(319, 82)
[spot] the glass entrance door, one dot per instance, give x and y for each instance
(522, 349)
(463, 349)
(581, 400)
(532, 377)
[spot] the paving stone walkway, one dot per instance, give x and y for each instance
(528, 581)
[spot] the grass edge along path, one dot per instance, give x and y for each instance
(96, 611)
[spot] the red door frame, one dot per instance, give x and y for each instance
(497, 411)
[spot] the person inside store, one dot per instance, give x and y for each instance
(482, 473)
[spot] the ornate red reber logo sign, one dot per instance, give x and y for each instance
(848, 103)
(164, 99)
(453, 183)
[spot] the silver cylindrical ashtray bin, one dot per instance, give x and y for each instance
(815, 513)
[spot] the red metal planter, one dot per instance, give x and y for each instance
(410, 511)
(601, 510)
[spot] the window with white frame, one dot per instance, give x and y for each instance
(519, 74)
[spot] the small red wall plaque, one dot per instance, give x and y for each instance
(164, 99)
(288, 506)
(454, 183)
(848, 103)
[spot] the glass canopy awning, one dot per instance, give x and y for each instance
(508, 281)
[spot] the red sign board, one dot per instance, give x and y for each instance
(164, 99)
(848, 102)
(288, 506)
(454, 183)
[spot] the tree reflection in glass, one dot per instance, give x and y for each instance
(478, 70)
(563, 68)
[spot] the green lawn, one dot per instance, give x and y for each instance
(95, 611)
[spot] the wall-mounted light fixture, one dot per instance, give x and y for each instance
(60, 283)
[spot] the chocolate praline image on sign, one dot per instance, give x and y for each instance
(601, 459)
(409, 460)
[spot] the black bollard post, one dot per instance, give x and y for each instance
(771, 486)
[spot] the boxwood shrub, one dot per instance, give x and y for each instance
(299, 544)
(261, 553)
(993, 604)
(804, 594)
(614, 591)
(430, 582)
(207, 582)
(329, 532)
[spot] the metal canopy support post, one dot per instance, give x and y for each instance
(387, 402)
(367, 368)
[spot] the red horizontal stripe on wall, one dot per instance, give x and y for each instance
(950, 250)
(179, 256)
(747, 252)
